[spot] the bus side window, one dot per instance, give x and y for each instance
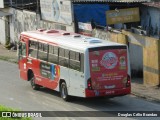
(33, 46)
(53, 54)
(42, 51)
(74, 62)
(63, 57)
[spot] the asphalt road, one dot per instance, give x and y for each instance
(17, 93)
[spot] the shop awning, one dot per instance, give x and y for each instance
(4, 14)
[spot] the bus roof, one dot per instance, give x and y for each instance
(68, 40)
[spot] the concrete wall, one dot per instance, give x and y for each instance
(2, 30)
(18, 23)
(6, 27)
(110, 36)
(22, 20)
(136, 60)
(151, 58)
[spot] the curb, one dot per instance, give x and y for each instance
(12, 60)
(148, 98)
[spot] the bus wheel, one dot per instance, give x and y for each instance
(64, 92)
(34, 86)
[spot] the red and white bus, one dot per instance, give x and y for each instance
(73, 64)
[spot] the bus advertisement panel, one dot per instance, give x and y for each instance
(108, 68)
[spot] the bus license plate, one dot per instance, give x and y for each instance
(109, 92)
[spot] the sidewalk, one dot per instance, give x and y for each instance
(138, 89)
(8, 55)
(147, 92)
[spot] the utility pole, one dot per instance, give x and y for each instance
(37, 11)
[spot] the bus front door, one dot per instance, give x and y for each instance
(22, 60)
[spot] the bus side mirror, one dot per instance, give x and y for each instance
(19, 47)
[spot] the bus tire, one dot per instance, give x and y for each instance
(64, 91)
(33, 85)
